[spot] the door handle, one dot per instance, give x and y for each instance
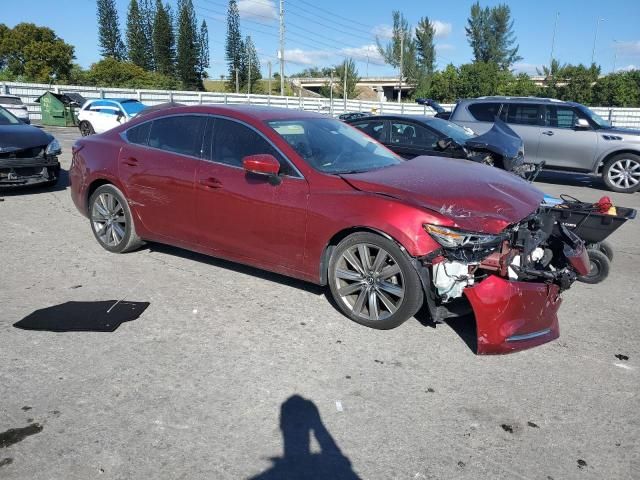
(548, 133)
(131, 161)
(211, 182)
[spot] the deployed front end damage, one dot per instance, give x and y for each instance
(511, 280)
(28, 166)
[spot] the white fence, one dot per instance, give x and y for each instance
(29, 92)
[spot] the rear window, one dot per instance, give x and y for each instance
(523, 113)
(140, 134)
(484, 112)
(10, 101)
(180, 134)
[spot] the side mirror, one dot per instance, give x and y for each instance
(261, 164)
(582, 124)
(120, 116)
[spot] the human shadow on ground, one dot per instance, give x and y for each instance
(102, 316)
(299, 419)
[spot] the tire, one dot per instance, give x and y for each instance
(621, 173)
(86, 128)
(111, 220)
(382, 292)
(599, 267)
(606, 248)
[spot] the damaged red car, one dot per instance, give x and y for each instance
(308, 196)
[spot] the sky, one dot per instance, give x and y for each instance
(322, 33)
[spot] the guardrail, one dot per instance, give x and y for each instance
(29, 92)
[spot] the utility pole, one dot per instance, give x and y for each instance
(237, 82)
(553, 42)
(595, 39)
(401, 60)
(344, 88)
(615, 55)
(249, 71)
(367, 65)
(331, 94)
(269, 64)
(281, 52)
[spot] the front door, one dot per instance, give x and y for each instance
(562, 145)
(244, 214)
(409, 140)
(158, 166)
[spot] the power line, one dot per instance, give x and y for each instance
(333, 13)
(315, 20)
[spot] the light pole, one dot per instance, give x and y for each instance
(595, 39)
(237, 81)
(615, 55)
(553, 43)
(344, 88)
(331, 94)
(269, 63)
(401, 60)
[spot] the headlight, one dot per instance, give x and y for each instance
(452, 238)
(53, 148)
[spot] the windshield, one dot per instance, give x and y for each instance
(10, 101)
(457, 133)
(331, 146)
(597, 119)
(132, 107)
(7, 118)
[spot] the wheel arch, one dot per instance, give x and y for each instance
(341, 235)
(610, 155)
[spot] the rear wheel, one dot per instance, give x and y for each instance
(86, 128)
(599, 267)
(372, 281)
(621, 173)
(111, 220)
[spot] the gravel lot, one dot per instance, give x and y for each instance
(194, 388)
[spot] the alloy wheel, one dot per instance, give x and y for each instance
(369, 281)
(624, 173)
(108, 219)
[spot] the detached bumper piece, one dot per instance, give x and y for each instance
(16, 172)
(513, 316)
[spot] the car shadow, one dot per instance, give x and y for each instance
(299, 421)
(100, 316)
(573, 179)
(21, 190)
(464, 326)
(236, 267)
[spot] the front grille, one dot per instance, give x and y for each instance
(25, 153)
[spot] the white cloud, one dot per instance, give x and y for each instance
(305, 57)
(628, 68)
(363, 53)
(443, 29)
(262, 10)
(628, 48)
(383, 31)
(528, 68)
(444, 47)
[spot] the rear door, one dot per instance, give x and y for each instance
(479, 116)
(410, 139)
(526, 120)
(244, 214)
(562, 145)
(157, 166)
(377, 129)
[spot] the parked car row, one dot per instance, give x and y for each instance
(313, 198)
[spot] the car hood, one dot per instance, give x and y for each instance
(475, 197)
(18, 137)
(500, 139)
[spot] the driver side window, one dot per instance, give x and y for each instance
(410, 134)
(231, 141)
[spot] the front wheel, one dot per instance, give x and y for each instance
(599, 267)
(621, 173)
(372, 281)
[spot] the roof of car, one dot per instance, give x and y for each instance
(518, 99)
(256, 112)
(8, 95)
(416, 118)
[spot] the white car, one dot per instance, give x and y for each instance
(102, 114)
(14, 104)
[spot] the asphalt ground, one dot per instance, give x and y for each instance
(230, 372)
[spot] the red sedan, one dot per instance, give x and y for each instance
(307, 196)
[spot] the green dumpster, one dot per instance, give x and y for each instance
(58, 108)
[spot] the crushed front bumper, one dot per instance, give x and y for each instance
(513, 316)
(15, 172)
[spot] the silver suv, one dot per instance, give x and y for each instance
(563, 135)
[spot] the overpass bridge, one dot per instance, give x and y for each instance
(384, 88)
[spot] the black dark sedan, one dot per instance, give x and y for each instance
(413, 135)
(28, 155)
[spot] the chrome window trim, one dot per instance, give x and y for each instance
(123, 136)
